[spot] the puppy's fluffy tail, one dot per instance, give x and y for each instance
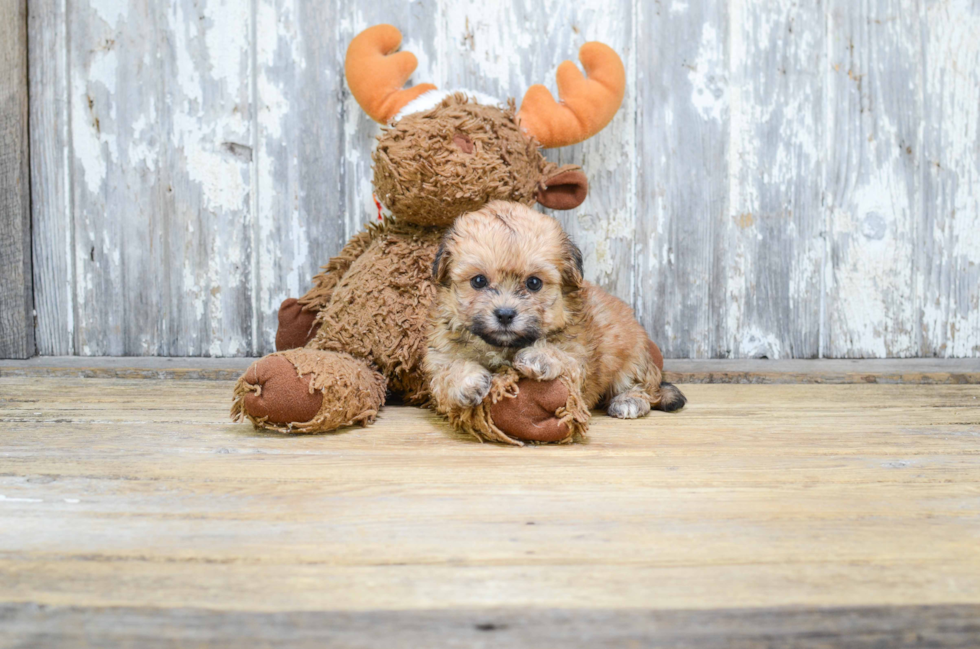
(671, 399)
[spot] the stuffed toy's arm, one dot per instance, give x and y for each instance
(330, 275)
(297, 318)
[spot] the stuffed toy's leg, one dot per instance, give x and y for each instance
(521, 410)
(534, 411)
(539, 411)
(308, 391)
(297, 318)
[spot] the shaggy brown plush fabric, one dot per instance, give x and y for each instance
(280, 391)
(463, 155)
(372, 300)
(325, 281)
(379, 308)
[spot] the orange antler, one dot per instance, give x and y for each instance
(376, 76)
(587, 104)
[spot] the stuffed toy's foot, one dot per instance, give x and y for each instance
(519, 410)
(544, 411)
(530, 414)
(296, 325)
(308, 391)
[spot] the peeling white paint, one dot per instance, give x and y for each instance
(752, 342)
(874, 203)
(951, 292)
(212, 134)
(709, 84)
(495, 42)
(221, 178)
(596, 234)
(222, 183)
(773, 133)
(227, 38)
(777, 137)
(111, 11)
(141, 148)
(679, 6)
(274, 105)
(870, 284)
(91, 89)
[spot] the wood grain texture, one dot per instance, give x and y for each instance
(16, 294)
(833, 371)
(771, 245)
(299, 203)
(51, 219)
(948, 263)
(503, 48)
(784, 180)
(419, 22)
(768, 501)
(134, 367)
(682, 169)
(903, 627)
(873, 178)
(160, 125)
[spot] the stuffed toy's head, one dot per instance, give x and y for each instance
(442, 154)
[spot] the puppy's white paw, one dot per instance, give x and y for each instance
(537, 364)
(473, 388)
(626, 406)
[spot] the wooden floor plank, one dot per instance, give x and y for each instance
(135, 499)
(832, 371)
(908, 627)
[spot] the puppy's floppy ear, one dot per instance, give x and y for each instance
(440, 265)
(572, 273)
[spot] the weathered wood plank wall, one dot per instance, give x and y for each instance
(785, 179)
(16, 294)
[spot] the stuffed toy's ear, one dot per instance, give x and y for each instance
(564, 190)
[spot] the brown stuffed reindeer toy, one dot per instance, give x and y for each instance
(360, 331)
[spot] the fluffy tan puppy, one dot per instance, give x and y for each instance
(510, 294)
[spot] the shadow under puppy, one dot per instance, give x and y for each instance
(511, 302)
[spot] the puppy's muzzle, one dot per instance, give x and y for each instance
(505, 315)
(506, 327)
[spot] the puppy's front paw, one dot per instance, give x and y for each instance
(473, 389)
(537, 364)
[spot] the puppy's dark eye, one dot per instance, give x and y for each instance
(479, 282)
(533, 284)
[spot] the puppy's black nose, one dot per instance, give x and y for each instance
(505, 315)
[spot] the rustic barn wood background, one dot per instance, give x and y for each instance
(786, 178)
(16, 295)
